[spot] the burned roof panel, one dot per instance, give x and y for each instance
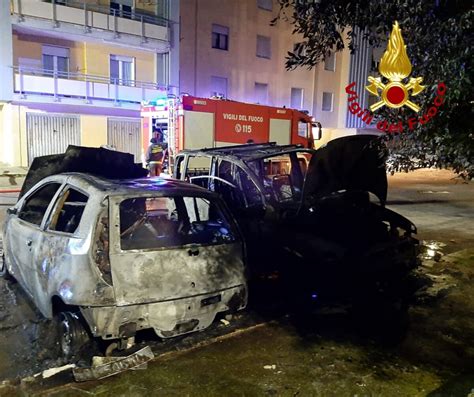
(249, 152)
(141, 185)
(96, 161)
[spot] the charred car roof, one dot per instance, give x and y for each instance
(163, 186)
(100, 162)
(355, 162)
(252, 151)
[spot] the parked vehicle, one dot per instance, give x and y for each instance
(318, 218)
(190, 123)
(111, 257)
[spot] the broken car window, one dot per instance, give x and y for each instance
(284, 175)
(162, 222)
(36, 205)
(68, 211)
(198, 166)
(240, 191)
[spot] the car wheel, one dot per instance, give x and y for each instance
(73, 335)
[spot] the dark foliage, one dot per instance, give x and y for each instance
(439, 40)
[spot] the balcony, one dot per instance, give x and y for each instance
(40, 85)
(69, 17)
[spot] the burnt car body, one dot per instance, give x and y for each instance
(124, 255)
(317, 217)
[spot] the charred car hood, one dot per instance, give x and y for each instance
(352, 163)
(96, 161)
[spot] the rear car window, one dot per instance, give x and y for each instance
(164, 222)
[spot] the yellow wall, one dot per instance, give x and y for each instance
(146, 5)
(98, 59)
(28, 46)
(93, 131)
(90, 58)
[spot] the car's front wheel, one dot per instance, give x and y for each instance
(73, 335)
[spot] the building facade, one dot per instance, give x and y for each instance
(229, 49)
(77, 71)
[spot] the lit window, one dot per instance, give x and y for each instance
(265, 4)
(220, 37)
(261, 93)
(218, 86)
(296, 98)
(330, 62)
(264, 47)
(327, 105)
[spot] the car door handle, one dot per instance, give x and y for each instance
(29, 242)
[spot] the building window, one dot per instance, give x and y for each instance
(264, 47)
(261, 93)
(220, 37)
(218, 87)
(55, 61)
(121, 8)
(330, 62)
(296, 98)
(265, 4)
(122, 70)
(163, 68)
(328, 99)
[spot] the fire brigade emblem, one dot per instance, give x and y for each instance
(395, 66)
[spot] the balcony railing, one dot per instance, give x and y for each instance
(89, 88)
(136, 15)
(93, 18)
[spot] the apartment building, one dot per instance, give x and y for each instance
(229, 49)
(76, 72)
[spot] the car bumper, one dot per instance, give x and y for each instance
(168, 319)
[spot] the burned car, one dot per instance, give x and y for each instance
(111, 257)
(316, 217)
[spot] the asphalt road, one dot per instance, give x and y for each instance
(440, 204)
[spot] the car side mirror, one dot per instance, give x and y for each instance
(12, 211)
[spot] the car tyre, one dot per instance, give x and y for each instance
(73, 335)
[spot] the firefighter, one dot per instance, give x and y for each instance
(155, 155)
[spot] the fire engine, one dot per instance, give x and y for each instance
(193, 123)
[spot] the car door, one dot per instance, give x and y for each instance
(23, 233)
(59, 256)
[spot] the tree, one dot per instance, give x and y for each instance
(439, 40)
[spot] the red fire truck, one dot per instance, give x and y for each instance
(192, 123)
